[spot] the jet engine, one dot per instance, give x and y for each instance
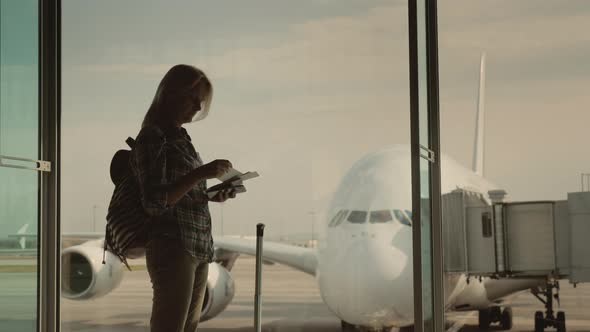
(85, 277)
(83, 274)
(219, 292)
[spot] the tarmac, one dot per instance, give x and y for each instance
(291, 302)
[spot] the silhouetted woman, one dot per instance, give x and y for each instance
(172, 180)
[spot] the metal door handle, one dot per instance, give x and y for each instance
(427, 154)
(41, 165)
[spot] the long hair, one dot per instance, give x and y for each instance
(179, 79)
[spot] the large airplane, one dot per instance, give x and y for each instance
(363, 264)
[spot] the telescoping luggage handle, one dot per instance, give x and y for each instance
(257, 295)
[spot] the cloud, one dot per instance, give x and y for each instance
(367, 49)
(328, 90)
(524, 40)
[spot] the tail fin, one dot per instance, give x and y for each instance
(22, 240)
(478, 148)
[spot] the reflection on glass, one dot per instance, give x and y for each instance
(312, 95)
(19, 116)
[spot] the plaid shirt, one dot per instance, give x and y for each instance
(160, 159)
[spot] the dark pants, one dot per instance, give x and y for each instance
(179, 281)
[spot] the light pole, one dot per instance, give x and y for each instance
(312, 215)
(94, 217)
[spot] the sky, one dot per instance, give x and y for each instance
(303, 89)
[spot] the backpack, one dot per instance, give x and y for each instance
(126, 229)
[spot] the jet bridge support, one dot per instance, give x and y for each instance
(547, 240)
(550, 292)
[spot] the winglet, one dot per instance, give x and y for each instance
(23, 240)
(478, 148)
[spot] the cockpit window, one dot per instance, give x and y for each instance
(335, 218)
(338, 218)
(357, 217)
(409, 214)
(341, 218)
(402, 217)
(381, 216)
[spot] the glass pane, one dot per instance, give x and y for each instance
(19, 116)
(533, 113)
(19, 79)
(18, 250)
(311, 94)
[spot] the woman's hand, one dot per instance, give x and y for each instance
(223, 196)
(181, 187)
(216, 168)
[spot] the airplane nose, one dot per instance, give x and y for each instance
(371, 284)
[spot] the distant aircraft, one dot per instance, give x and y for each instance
(67, 240)
(363, 265)
(22, 237)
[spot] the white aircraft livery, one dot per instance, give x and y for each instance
(363, 264)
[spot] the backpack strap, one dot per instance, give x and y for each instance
(106, 242)
(131, 142)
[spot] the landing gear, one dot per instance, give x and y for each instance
(485, 319)
(561, 321)
(550, 292)
(495, 314)
(506, 319)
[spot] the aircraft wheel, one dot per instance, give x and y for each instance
(561, 322)
(496, 313)
(485, 319)
(506, 319)
(539, 322)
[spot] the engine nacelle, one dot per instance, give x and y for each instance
(85, 277)
(219, 293)
(83, 274)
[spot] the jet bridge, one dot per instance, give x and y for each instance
(543, 239)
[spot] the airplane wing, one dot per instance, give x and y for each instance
(21, 236)
(83, 235)
(18, 252)
(303, 259)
